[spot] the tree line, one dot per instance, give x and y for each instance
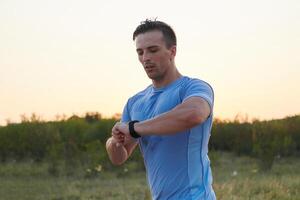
(78, 141)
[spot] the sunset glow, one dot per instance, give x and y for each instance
(71, 57)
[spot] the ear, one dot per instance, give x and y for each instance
(173, 50)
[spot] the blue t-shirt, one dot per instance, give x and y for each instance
(177, 165)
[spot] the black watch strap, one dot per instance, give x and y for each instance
(132, 132)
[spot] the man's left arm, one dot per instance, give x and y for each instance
(193, 111)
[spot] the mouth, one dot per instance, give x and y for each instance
(149, 66)
(149, 69)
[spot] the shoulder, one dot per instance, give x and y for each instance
(196, 85)
(192, 82)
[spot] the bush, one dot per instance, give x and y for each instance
(80, 142)
(272, 138)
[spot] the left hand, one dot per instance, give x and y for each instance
(123, 129)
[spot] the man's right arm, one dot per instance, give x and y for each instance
(119, 152)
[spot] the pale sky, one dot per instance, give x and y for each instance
(71, 56)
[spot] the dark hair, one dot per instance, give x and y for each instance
(152, 25)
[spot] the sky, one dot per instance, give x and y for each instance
(71, 57)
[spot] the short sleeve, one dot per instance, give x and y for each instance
(126, 115)
(198, 88)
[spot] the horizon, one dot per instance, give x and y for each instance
(239, 117)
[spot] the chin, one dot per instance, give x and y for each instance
(154, 77)
(151, 75)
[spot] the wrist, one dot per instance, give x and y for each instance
(138, 128)
(132, 129)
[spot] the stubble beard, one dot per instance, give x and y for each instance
(156, 77)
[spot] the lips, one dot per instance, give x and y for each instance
(149, 66)
(149, 69)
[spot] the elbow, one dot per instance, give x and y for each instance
(116, 155)
(117, 162)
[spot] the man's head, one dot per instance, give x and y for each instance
(156, 48)
(149, 25)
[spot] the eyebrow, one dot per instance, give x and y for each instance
(150, 47)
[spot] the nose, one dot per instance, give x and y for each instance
(145, 57)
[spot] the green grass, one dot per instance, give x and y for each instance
(235, 178)
(73, 189)
(239, 178)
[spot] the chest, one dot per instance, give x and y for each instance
(155, 103)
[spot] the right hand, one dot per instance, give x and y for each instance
(117, 135)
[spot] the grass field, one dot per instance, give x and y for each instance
(235, 178)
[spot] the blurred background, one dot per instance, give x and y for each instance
(68, 67)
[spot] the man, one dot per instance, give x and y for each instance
(170, 121)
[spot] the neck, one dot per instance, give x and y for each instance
(168, 78)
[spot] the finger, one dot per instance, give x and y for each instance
(114, 133)
(121, 139)
(115, 141)
(116, 137)
(115, 126)
(115, 130)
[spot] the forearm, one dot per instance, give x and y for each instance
(179, 119)
(117, 154)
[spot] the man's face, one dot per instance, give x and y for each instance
(154, 55)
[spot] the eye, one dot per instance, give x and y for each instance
(140, 53)
(153, 50)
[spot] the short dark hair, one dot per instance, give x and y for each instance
(152, 25)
